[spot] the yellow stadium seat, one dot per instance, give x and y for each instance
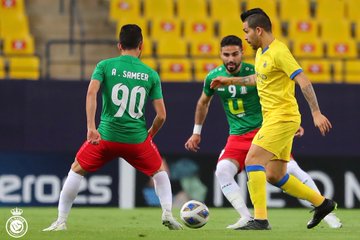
(303, 29)
(16, 25)
(220, 9)
(123, 9)
(338, 70)
(24, 68)
(203, 66)
(141, 22)
(341, 49)
(294, 9)
(171, 47)
(2, 68)
(205, 48)
(175, 70)
(23, 45)
(165, 28)
(357, 30)
(352, 71)
(11, 7)
(158, 9)
(151, 62)
(318, 71)
(308, 48)
(269, 6)
(199, 28)
(326, 9)
(335, 29)
(187, 9)
(231, 26)
(352, 10)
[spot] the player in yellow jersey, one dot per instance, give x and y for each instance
(276, 72)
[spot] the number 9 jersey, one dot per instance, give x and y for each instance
(126, 84)
(241, 103)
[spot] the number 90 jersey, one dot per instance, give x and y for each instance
(126, 85)
(241, 103)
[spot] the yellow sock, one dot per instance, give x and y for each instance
(257, 190)
(294, 187)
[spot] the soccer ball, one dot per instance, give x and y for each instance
(194, 214)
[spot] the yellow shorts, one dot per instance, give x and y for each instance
(277, 138)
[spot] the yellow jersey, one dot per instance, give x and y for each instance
(275, 69)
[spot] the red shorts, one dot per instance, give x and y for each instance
(144, 156)
(237, 147)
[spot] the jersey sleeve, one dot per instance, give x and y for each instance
(156, 91)
(206, 88)
(99, 72)
(286, 62)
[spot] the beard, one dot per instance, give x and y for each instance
(233, 68)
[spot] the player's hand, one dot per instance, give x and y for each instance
(220, 81)
(93, 136)
(321, 122)
(193, 142)
(300, 132)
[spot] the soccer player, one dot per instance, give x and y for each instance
(243, 112)
(276, 73)
(126, 84)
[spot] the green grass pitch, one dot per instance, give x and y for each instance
(145, 223)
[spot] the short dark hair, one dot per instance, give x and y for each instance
(130, 36)
(256, 17)
(231, 40)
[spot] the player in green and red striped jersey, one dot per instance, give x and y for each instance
(243, 111)
(127, 84)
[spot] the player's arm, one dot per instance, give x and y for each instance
(307, 89)
(226, 81)
(201, 111)
(160, 117)
(93, 136)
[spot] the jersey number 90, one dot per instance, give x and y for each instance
(127, 96)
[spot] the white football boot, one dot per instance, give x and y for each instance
(333, 221)
(56, 226)
(240, 223)
(169, 221)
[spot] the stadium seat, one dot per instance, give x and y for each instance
(318, 71)
(230, 26)
(176, 69)
(171, 47)
(11, 7)
(352, 71)
(24, 68)
(337, 70)
(204, 48)
(219, 10)
(16, 25)
(303, 29)
(203, 66)
(23, 45)
(341, 49)
(294, 9)
(335, 29)
(352, 10)
(326, 10)
(151, 62)
(165, 28)
(123, 9)
(154, 9)
(187, 9)
(2, 68)
(357, 30)
(308, 48)
(141, 22)
(269, 6)
(199, 28)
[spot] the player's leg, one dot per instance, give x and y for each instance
(89, 158)
(67, 196)
(226, 170)
(150, 163)
(294, 169)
